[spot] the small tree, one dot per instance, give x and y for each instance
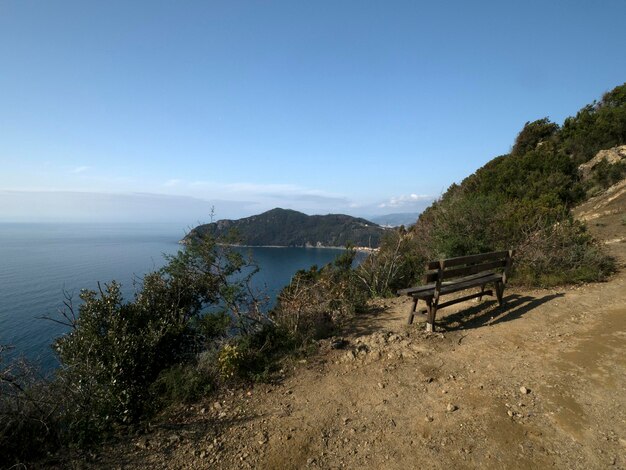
(116, 348)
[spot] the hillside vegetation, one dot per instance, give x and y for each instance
(285, 227)
(523, 200)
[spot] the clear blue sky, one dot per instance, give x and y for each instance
(156, 110)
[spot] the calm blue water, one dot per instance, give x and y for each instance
(39, 261)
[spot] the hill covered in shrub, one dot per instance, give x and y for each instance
(521, 200)
(285, 227)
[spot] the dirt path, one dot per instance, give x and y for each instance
(540, 383)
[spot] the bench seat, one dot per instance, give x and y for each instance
(452, 275)
(448, 287)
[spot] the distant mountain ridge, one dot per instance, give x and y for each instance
(396, 219)
(286, 227)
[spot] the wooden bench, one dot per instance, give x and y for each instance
(447, 276)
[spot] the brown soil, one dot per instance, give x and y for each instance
(538, 383)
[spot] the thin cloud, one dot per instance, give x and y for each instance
(78, 206)
(79, 169)
(265, 195)
(270, 190)
(241, 187)
(200, 184)
(406, 200)
(263, 188)
(310, 197)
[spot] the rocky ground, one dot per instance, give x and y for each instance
(539, 383)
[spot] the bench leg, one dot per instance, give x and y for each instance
(499, 292)
(412, 312)
(482, 291)
(430, 320)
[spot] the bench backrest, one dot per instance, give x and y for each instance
(441, 270)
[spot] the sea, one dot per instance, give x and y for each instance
(43, 263)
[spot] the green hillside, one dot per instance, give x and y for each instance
(523, 200)
(284, 227)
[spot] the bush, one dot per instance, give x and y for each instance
(398, 262)
(30, 413)
(182, 383)
(605, 174)
(229, 361)
(318, 301)
(597, 126)
(118, 353)
(533, 134)
(260, 353)
(563, 253)
(465, 223)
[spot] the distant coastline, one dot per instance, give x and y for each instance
(363, 249)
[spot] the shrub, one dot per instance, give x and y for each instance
(398, 262)
(465, 224)
(597, 126)
(116, 349)
(533, 134)
(182, 383)
(560, 254)
(229, 361)
(605, 174)
(261, 352)
(318, 301)
(30, 411)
